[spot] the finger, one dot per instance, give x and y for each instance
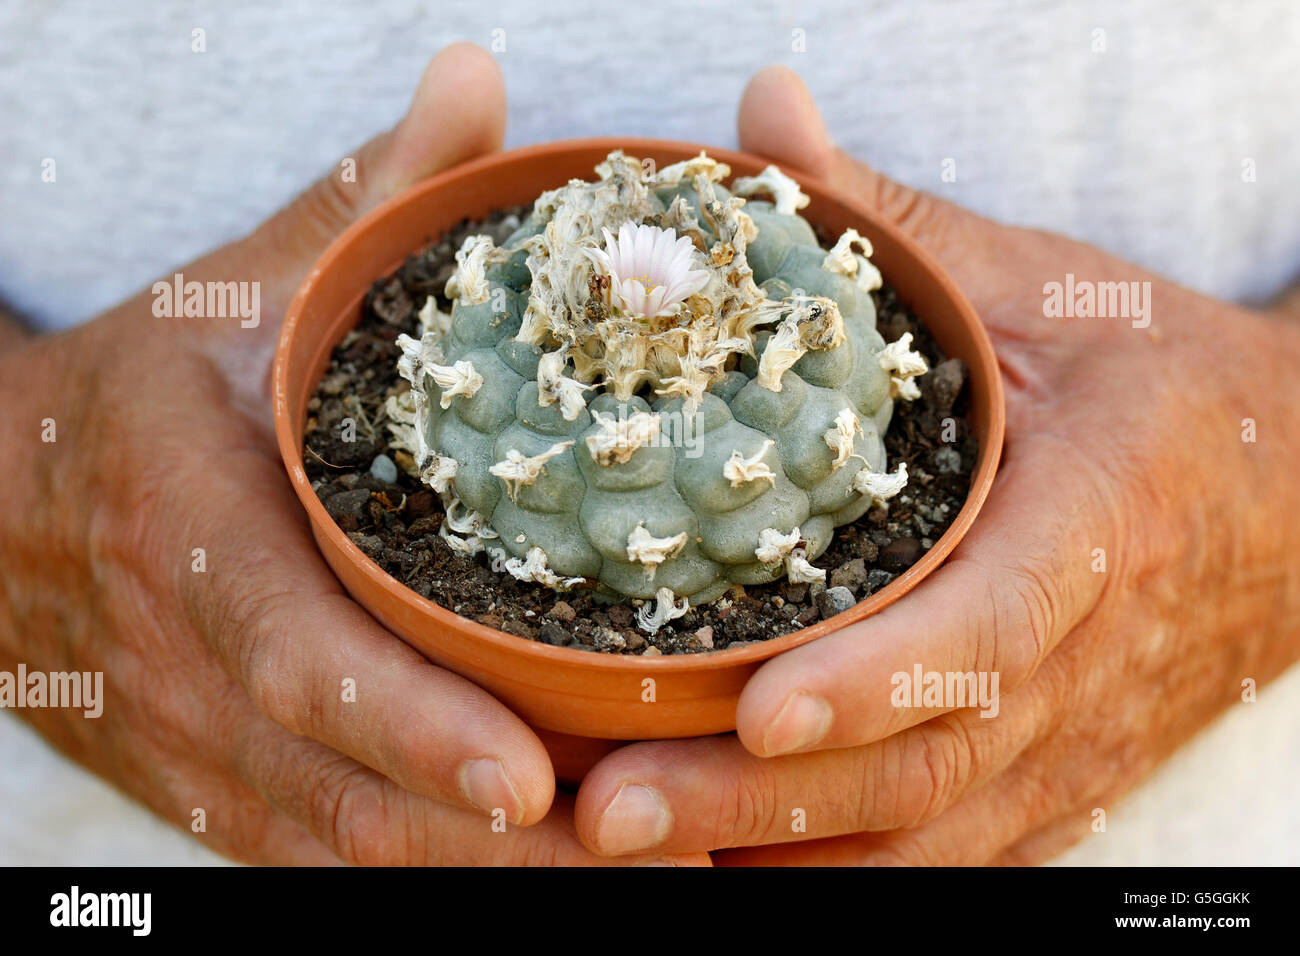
(366, 819)
(1048, 841)
(456, 114)
(778, 118)
(318, 665)
(1040, 784)
(704, 794)
(229, 816)
(973, 832)
(1021, 579)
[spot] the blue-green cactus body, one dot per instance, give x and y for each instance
(581, 512)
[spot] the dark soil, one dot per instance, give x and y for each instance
(396, 522)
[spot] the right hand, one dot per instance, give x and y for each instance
(223, 689)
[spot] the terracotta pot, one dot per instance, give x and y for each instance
(554, 688)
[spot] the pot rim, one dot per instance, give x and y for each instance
(291, 453)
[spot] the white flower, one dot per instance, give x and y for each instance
(650, 269)
(799, 571)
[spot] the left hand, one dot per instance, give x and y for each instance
(1118, 438)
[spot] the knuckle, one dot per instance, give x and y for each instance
(748, 814)
(537, 853)
(916, 212)
(1032, 613)
(901, 849)
(330, 205)
(937, 762)
(259, 650)
(347, 816)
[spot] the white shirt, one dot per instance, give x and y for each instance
(1137, 127)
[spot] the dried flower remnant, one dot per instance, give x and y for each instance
(840, 437)
(534, 568)
(904, 365)
(618, 439)
(457, 379)
(786, 195)
(554, 387)
(879, 486)
(665, 608)
(845, 261)
(739, 470)
(645, 548)
(519, 469)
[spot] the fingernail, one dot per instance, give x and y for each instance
(803, 721)
(484, 783)
(636, 819)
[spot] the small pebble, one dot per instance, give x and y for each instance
(705, 636)
(851, 575)
(608, 639)
(384, 469)
(348, 508)
(419, 504)
(948, 460)
(834, 601)
(794, 593)
(943, 384)
(900, 555)
(651, 651)
(877, 579)
(562, 611)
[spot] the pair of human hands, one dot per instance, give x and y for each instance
(222, 686)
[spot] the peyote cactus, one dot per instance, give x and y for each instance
(694, 405)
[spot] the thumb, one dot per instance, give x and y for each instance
(457, 113)
(779, 119)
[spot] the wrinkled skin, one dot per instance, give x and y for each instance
(1124, 439)
(224, 688)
